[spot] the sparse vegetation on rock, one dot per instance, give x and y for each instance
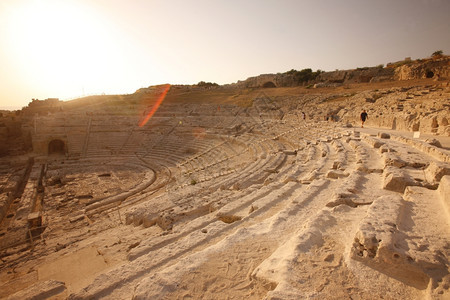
(207, 84)
(304, 75)
(437, 54)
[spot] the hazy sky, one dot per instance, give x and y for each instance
(70, 48)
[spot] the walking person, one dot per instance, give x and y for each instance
(363, 117)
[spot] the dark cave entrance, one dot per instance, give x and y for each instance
(269, 84)
(56, 147)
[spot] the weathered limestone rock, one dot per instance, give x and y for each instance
(438, 153)
(384, 149)
(336, 165)
(384, 135)
(378, 243)
(336, 174)
(326, 79)
(416, 70)
(396, 180)
(373, 142)
(435, 171)
(147, 214)
(372, 74)
(290, 152)
(433, 142)
(391, 159)
(77, 218)
(5, 200)
(149, 179)
(149, 220)
(166, 220)
(268, 181)
(290, 178)
(342, 198)
(425, 228)
(310, 176)
(444, 192)
(40, 290)
(35, 219)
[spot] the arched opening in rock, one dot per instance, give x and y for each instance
(56, 147)
(269, 84)
(429, 74)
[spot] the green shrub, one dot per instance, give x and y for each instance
(437, 53)
(304, 75)
(402, 63)
(207, 84)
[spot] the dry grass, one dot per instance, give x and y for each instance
(237, 96)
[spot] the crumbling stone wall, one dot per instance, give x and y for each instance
(264, 80)
(438, 68)
(374, 74)
(3, 140)
(434, 68)
(12, 139)
(45, 144)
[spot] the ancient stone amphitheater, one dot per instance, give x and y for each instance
(237, 198)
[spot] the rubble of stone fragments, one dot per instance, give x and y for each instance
(215, 197)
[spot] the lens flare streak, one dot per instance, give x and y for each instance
(155, 106)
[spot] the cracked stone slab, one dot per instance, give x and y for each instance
(378, 243)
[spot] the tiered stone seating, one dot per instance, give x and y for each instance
(101, 143)
(250, 177)
(148, 180)
(213, 156)
(218, 223)
(256, 202)
(135, 141)
(18, 233)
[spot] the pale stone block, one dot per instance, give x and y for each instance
(396, 180)
(290, 152)
(444, 192)
(336, 165)
(384, 135)
(391, 159)
(336, 174)
(35, 219)
(149, 220)
(40, 290)
(376, 243)
(384, 149)
(374, 142)
(436, 170)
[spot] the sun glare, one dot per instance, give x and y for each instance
(155, 106)
(61, 42)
